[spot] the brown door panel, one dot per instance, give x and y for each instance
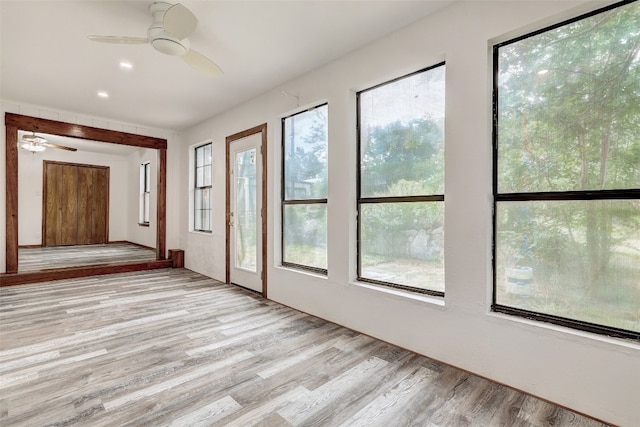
(69, 205)
(75, 204)
(52, 218)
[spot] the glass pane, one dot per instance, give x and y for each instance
(141, 207)
(206, 219)
(146, 202)
(200, 177)
(305, 235)
(142, 178)
(207, 155)
(197, 223)
(199, 156)
(402, 136)
(246, 227)
(198, 198)
(403, 243)
(198, 205)
(573, 259)
(207, 175)
(206, 198)
(147, 175)
(305, 151)
(568, 110)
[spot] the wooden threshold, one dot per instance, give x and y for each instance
(11, 279)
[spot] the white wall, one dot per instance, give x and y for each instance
(142, 235)
(30, 170)
(586, 372)
(174, 156)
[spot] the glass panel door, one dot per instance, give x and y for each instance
(245, 210)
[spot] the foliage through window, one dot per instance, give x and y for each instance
(567, 173)
(145, 193)
(202, 188)
(304, 189)
(401, 182)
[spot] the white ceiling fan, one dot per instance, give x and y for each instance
(168, 33)
(36, 143)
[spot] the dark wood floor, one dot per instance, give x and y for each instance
(35, 259)
(172, 347)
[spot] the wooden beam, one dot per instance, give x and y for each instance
(75, 272)
(161, 210)
(34, 124)
(11, 183)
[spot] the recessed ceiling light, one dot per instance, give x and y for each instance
(103, 94)
(125, 65)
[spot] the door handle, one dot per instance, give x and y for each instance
(231, 219)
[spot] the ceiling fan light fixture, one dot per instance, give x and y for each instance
(33, 138)
(32, 146)
(169, 46)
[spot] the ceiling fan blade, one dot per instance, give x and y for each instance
(179, 21)
(201, 63)
(61, 147)
(119, 39)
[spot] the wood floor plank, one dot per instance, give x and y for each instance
(208, 414)
(383, 409)
(174, 348)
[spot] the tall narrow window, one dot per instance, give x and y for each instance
(401, 183)
(145, 193)
(567, 173)
(202, 188)
(304, 189)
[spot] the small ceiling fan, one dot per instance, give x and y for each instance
(36, 143)
(168, 33)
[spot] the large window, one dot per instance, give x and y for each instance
(567, 173)
(304, 189)
(401, 183)
(145, 193)
(202, 188)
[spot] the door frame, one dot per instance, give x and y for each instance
(260, 129)
(44, 195)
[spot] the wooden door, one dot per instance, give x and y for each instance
(52, 216)
(100, 225)
(75, 204)
(69, 206)
(85, 201)
(61, 199)
(93, 195)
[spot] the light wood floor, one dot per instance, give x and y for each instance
(174, 348)
(35, 259)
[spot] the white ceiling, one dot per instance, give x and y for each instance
(47, 60)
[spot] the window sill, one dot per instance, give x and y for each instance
(401, 294)
(303, 271)
(576, 333)
(204, 233)
(143, 224)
